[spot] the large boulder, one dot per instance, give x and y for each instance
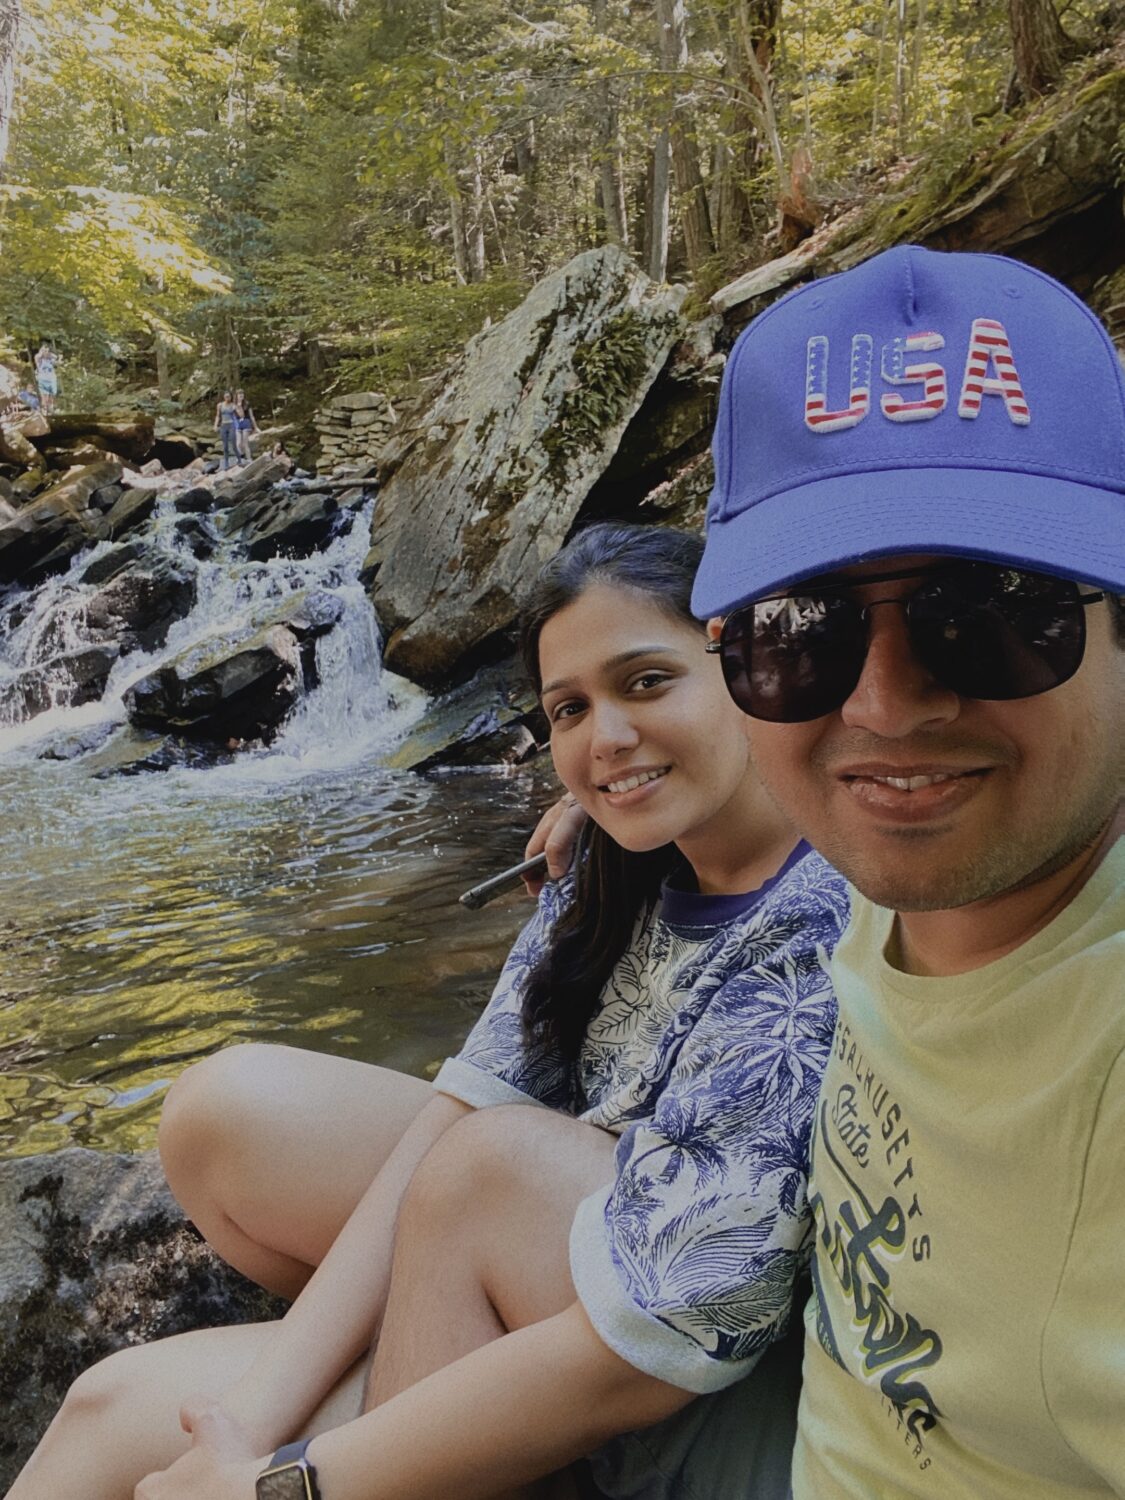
(45, 535)
(224, 690)
(130, 435)
(95, 1255)
(482, 486)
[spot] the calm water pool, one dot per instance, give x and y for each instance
(148, 921)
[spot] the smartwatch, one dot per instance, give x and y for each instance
(288, 1475)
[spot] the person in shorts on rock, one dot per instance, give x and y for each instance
(917, 540)
(46, 378)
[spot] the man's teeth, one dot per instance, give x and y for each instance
(912, 783)
(632, 782)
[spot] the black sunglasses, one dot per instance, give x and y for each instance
(980, 629)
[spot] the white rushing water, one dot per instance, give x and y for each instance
(355, 710)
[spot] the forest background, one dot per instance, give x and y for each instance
(304, 195)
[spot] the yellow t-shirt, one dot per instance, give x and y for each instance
(967, 1331)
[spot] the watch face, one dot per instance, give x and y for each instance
(291, 1482)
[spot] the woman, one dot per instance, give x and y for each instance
(226, 425)
(46, 378)
(550, 1282)
(248, 427)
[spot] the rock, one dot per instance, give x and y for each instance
(284, 524)
(682, 500)
(65, 681)
(25, 486)
(44, 535)
(95, 1256)
(71, 743)
(106, 497)
(482, 722)
(7, 491)
(194, 501)
(129, 436)
(67, 455)
(111, 563)
(139, 606)
(132, 510)
(15, 448)
(176, 450)
(238, 485)
(198, 536)
(222, 689)
(481, 487)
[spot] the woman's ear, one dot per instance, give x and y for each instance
(714, 627)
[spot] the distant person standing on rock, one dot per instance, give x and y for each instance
(226, 425)
(46, 378)
(248, 428)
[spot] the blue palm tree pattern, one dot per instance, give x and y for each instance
(705, 1057)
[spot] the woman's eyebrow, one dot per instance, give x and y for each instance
(611, 662)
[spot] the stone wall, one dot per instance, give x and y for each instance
(353, 430)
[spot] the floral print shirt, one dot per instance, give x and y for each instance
(705, 1057)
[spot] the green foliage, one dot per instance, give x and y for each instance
(372, 180)
(607, 370)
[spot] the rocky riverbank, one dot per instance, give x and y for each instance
(95, 1256)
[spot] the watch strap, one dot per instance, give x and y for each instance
(289, 1475)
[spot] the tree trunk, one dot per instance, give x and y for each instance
(610, 170)
(10, 17)
(1039, 45)
(527, 201)
(163, 378)
(474, 229)
(659, 218)
(672, 40)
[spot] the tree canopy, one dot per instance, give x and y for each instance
(224, 190)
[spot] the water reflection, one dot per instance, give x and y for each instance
(152, 920)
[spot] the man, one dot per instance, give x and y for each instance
(915, 461)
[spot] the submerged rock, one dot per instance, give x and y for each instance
(481, 487)
(95, 1255)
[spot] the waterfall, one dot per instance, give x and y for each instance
(354, 710)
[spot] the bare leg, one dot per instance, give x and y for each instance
(481, 1246)
(269, 1149)
(120, 1420)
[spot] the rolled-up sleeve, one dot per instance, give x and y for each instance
(497, 1065)
(686, 1263)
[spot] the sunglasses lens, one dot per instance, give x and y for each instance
(793, 659)
(998, 633)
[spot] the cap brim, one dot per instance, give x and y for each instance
(1050, 525)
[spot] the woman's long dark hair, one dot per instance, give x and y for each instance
(612, 886)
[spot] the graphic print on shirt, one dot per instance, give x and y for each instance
(868, 1227)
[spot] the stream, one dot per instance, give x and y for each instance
(300, 893)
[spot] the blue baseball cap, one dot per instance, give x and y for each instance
(923, 402)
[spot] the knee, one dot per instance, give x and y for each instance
(468, 1171)
(98, 1394)
(210, 1112)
